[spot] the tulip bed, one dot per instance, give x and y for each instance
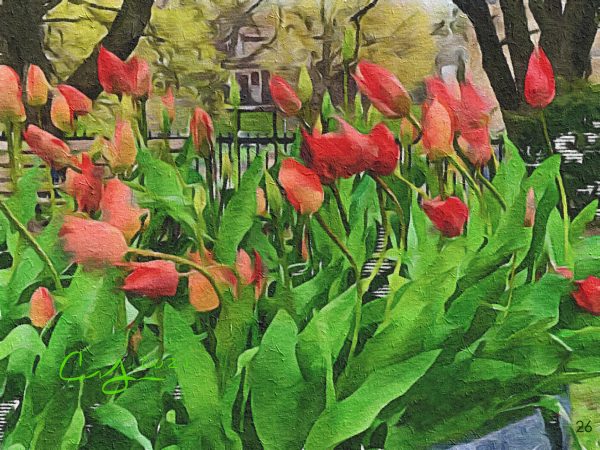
(172, 310)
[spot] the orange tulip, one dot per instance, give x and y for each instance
(540, 86)
(119, 208)
(92, 243)
(284, 96)
(121, 151)
(41, 307)
(60, 113)
(383, 89)
(37, 86)
(152, 279)
(202, 295)
(11, 105)
(201, 129)
(302, 186)
(48, 147)
(437, 130)
(86, 187)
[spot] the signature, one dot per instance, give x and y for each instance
(120, 380)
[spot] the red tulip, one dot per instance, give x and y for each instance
(437, 130)
(540, 86)
(388, 152)
(168, 101)
(114, 74)
(119, 208)
(383, 89)
(121, 152)
(41, 307)
(476, 146)
(37, 86)
(448, 94)
(302, 186)
(92, 243)
(152, 279)
(448, 216)
(284, 96)
(139, 71)
(339, 154)
(201, 129)
(587, 295)
(79, 103)
(48, 147)
(86, 187)
(11, 105)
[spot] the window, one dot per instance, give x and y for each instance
(255, 78)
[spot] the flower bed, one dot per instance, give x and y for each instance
(246, 292)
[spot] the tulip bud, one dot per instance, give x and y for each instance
(60, 113)
(327, 108)
(349, 44)
(284, 96)
(141, 76)
(226, 167)
(86, 187)
(122, 150)
(37, 87)
(540, 86)
(383, 89)
(448, 216)
(564, 272)
(476, 145)
(530, 208)
(302, 186)
(437, 131)
(92, 243)
(41, 308)
(261, 202)
(152, 279)
(134, 340)
(202, 130)
(305, 86)
(168, 101)
(202, 295)
(79, 103)
(48, 147)
(388, 153)
(11, 105)
(243, 266)
(114, 75)
(120, 210)
(273, 195)
(587, 295)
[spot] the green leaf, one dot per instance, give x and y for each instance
(239, 213)
(72, 436)
(280, 396)
(357, 412)
(117, 417)
(364, 201)
(579, 223)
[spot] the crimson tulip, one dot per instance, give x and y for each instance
(114, 74)
(92, 243)
(201, 129)
(437, 130)
(48, 147)
(474, 108)
(383, 89)
(388, 152)
(41, 307)
(540, 86)
(86, 187)
(152, 279)
(284, 96)
(302, 186)
(448, 216)
(37, 87)
(11, 105)
(587, 295)
(119, 208)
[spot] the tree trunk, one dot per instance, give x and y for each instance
(122, 38)
(579, 23)
(494, 63)
(517, 38)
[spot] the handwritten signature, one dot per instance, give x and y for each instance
(121, 378)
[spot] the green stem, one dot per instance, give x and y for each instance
(561, 188)
(346, 70)
(388, 302)
(511, 283)
(160, 318)
(25, 234)
(358, 312)
(51, 191)
(439, 169)
(399, 210)
(465, 173)
(492, 189)
(236, 150)
(418, 190)
(179, 260)
(340, 205)
(13, 161)
(283, 259)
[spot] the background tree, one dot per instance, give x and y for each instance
(566, 34)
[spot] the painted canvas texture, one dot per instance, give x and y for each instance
(299, 224)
